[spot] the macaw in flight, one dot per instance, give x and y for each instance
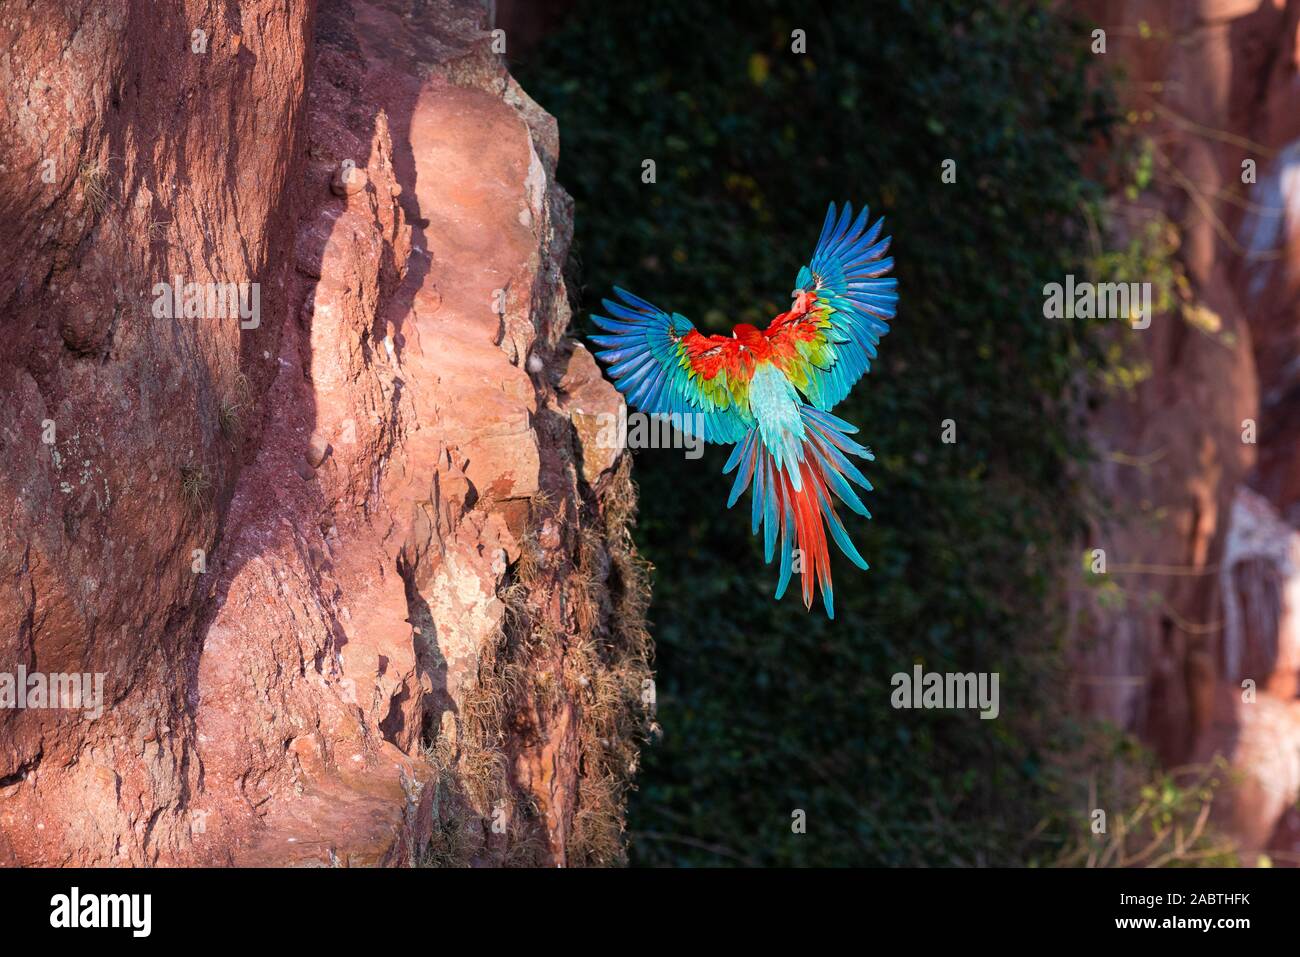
(770, 391)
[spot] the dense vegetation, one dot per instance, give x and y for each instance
(768, 709)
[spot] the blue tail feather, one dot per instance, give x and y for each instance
(791, 510)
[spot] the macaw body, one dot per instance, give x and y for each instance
(769, 392)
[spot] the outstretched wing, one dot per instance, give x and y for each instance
(830, 347)
(665, 367)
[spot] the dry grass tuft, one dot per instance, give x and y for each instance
(93, 178)
(610, 667)
(594, 654)
(195, 486)
(236, 397)
(449, 846)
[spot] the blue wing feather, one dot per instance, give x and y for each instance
(845, 272)
(645, 361)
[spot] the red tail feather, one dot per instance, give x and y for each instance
(809, 532)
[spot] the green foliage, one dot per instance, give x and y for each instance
(1130, 812)
(767, 708)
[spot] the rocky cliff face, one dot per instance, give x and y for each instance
(1202, 460)
(358, 588)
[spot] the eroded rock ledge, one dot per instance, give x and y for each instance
(359, 592)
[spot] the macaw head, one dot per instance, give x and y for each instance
(803, 300)
(801, 295)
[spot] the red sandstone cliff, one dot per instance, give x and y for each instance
(1201, 463)
(359, 589)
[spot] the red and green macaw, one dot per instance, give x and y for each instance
(770, 391)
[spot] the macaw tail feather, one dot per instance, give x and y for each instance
(800, 513)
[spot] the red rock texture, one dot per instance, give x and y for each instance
(412, 634)
(1203, 540)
